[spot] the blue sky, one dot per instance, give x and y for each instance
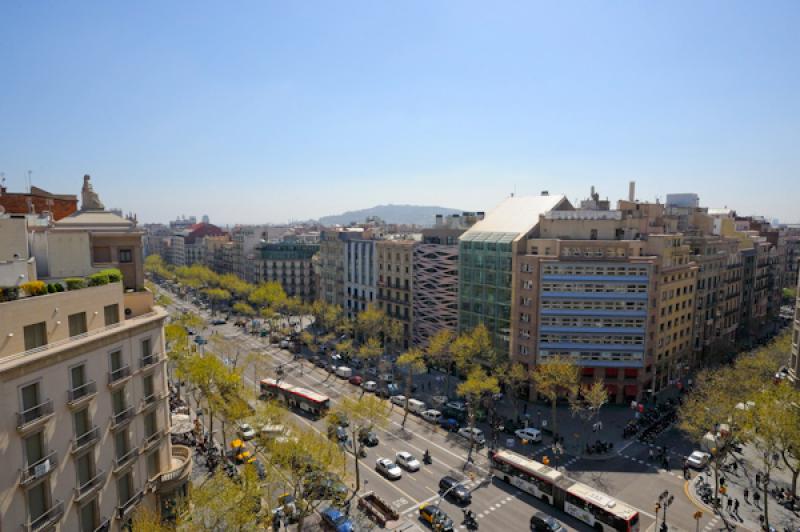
(267, 111)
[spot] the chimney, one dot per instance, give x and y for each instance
(632, 191)
(545, 193)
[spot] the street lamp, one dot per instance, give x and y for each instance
(664, 501)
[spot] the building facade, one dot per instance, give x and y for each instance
(794, 362)
(290, 265)
(395, 283)
(360, 283)
(38, 201)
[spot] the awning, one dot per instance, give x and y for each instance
(631, 390)
(180, 424)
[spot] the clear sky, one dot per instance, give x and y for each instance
(267, 111)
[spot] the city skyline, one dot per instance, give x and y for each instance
(295, 112)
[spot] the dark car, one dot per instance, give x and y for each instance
(448, 423)
(455, 491)
(541, 522)
(356, 379)
(368, 438)
(323, 486)
(336, 520)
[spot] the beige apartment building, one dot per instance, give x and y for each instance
(794, 364)
(395, 260)
(85, 433)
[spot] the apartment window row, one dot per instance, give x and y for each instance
(590, 339)
(606, 356)
(35, 335)
(595, 288)
(594, 252)
(676, 292)
(595, 305)
(567, 321)
(591, 269)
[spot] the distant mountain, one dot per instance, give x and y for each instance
(393, 214)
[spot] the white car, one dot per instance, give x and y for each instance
(530, 434)
(457, 405)
(246, 432)
(476, 435)
(698, 459)
(431, 415)
(370, 386)
(284, 344)
(388, 469)
(407, 461)
(399, 400)
(385, 377)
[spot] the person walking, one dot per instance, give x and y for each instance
(736, 506)
(758, 478)
(650, 455)
(730, 504)
(685, 472)
(756, 498)
(746, 494)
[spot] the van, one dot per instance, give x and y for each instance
(416, 406)
(272, 431)
(344, 372)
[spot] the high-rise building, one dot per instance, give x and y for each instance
(395, 260)
(85, 396)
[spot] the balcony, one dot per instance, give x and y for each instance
(125, 509)
(89, 487)
(47, 519)
(86, 440)
(104, 526)
(179, 471)
(80, 394)
(39, 469)
(118, 376)
(126, 459)
(148, 361)
(34, 416)
(152, 440)
(122, 418)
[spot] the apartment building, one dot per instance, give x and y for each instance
(84, 385)
(395, 284)
(794, 362)
(487, 257)
(360, 282)
(38, 201)
(290, 265)
(435, 283)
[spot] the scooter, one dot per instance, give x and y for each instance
(469, 520)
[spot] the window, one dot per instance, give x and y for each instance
(34, 448)
(154, 463)
(77, 324)
(147, 349)
(101, 254)
(38, 500)
(147, 382)
(111, 313)
(116, 361)
(124, 489)
(150, 424)
(82, 422)
(125, 255)
(118, 401)
(89, 516)
(30, 398)
(121, 444)
(35, 335)
(84, 465)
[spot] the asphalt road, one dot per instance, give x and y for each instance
(627, 476)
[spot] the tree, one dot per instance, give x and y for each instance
(413, 362)
(217, 295)
(364, 414)
(235, 285)
(209, 378)
(243, 308)
(477, 385)
(439, 354)
(221, 503)
(392, 333)
(517, 378)
(555, 377)
(370, 351)
(472, 348)
(588, 403)
(370, 323)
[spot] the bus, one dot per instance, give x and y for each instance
(593, 507)
(303, 399)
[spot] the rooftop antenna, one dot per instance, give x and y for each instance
(29, 181)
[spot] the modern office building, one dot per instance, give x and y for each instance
(395, 284)
(290, 265)
(360, 283)
(487, 258)
(84, 387)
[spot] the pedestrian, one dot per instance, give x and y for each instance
(685, 472)
(736, 506)
(746, 494)
(758, 479)
(730, 504)
(650, 453)
(756, 498)
(722, 481)
(735, 466)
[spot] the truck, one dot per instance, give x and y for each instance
(377, 509)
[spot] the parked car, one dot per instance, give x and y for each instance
(356, 379)
(284, 344)
(399, 400)
(541, 522)
(320, 362)
(246, 432)
(218, 321)
(416, 406)
(436, 517)
(431, 415)
(473, 434)
(368, 438)
(388, 469)
(458, 492)
(530, 434)
(698, 459)
(448, 423)
(385, 377)
(370, 386)
(457, 405)
(334, 518)
(407, 461)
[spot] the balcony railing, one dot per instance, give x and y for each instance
(49, 518)
(34, 414)
(125, 459)
(124, 509)
(84, 391)
(39, 469)
(122, 417)
(149, 360)
(89, 486)
(90, 437)
(153, 438)
(105, 526)
(118, 375)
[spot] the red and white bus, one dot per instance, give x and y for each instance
(593, 507)
(303, 399)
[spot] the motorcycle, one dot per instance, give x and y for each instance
(470, 522)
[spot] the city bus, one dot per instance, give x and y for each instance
(593, 507)
(303, 399)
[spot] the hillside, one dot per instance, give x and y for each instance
(394, 214)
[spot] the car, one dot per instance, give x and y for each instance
(356, 380)
(451, 488)
(368, 438)
(246, 432)
(386, 377)
(698, 459)
(473, 434)
(541, 522)
(284, 344)
(399, 400)
(320, 363)
(431, 415)
(529, 434)
(435, 516)
(388, 469)
(218, 321)
(337, 432)
(336, 520)
(457, 405)
(407, 461)
(372, 371)
(370, 386)
(449, 424)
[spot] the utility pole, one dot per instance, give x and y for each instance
(697, 516)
